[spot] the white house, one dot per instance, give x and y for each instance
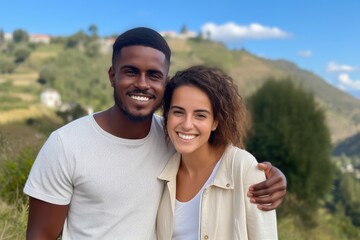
(50, 98)
(174, 34)
(39, 38)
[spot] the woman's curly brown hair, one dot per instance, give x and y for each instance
(227, 104)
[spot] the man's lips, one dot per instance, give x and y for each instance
(141, 96)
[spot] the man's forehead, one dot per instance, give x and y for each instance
(138, 53)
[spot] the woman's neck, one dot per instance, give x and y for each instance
(202, 160)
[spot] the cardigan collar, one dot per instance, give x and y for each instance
(223, 178)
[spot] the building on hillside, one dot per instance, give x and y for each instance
(50, 98)
(39, 38)
(187, 35)
(106, 44)
(8, 37)
(170, 34)
(174, 34)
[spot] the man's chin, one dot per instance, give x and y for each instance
(137, 118)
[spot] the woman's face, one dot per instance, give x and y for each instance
(190, 119)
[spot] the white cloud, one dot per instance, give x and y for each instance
(231, 32)
(334, 67)
(305, 53)
(348, 83)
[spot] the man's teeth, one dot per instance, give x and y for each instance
(140, 98)
(186, 137)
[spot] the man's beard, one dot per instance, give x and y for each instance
(130, 116)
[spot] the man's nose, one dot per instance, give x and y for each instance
(142, 82)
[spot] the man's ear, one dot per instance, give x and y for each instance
(111, 75)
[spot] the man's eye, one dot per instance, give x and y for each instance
(155, 76)
(129, 72)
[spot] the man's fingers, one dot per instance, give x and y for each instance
(263, 166)
(270, 207)
(267, 191)
(270, 193)
(266, 184)
(268, 199)
(258, 193)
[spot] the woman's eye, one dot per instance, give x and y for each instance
(177, 113)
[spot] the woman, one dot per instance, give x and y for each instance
(207, 179)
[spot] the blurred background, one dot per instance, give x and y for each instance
(295, 63)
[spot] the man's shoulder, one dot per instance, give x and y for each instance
(158, 123)
(77, 124)
(158, 119)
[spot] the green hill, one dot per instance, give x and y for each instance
(349, 147)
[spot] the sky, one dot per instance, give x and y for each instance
(320, 36)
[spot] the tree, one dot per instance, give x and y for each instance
(93, 29)
(289, 130)
(77, 40)
(47, 76)
(20, 35)
(2, 36)
(7, 65)
(184, 29)
(21, 54)
(92, 49)
(347, 192)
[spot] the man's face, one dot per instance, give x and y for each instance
(139, 78)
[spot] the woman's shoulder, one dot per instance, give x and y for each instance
(242, 156)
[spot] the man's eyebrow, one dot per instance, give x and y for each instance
(155, 71)
(129, 66)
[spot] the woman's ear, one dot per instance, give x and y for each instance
(214, 126)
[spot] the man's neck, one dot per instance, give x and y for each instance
(114, 122)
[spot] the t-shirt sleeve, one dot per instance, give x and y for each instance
(50, 176)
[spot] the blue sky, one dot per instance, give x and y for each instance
(319, 36)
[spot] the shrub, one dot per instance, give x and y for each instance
(13, 175)
(290, 131)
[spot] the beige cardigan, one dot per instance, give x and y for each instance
(225, 212)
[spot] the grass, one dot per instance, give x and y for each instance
(329, 227)
(13, 220)
(17, 115)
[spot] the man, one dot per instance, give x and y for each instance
(96, 178)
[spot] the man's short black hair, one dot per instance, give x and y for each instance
(141, 36)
